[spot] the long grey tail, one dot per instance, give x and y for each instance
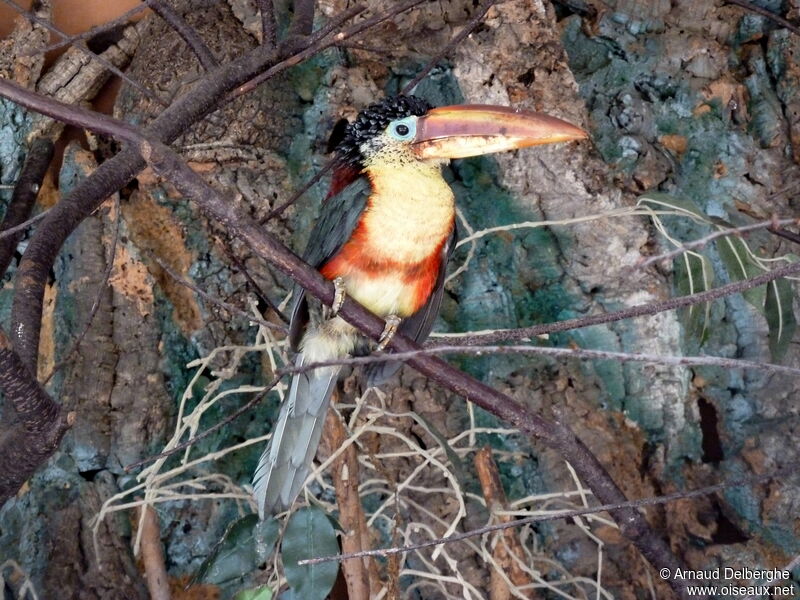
(286, 461)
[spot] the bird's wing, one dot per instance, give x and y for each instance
(338, 218)
(418, 326)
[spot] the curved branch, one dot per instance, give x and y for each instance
(32, 431)
(187, 33)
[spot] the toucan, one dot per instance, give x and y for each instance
(383, 237)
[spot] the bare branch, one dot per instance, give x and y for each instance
(24, 197)
(640, 310)
(457, 39)
(215, 301)
(653, 359)
(701, 242)
(11, 231)
(316, 45)
(785, 234)
(94, 31)
(278, 210)
(564, 514)
(765, 13)
(187, 32)
(229, 419)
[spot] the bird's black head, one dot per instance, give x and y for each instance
(374, 120)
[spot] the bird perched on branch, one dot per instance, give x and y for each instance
(383, 237)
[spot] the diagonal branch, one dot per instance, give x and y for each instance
(640, 310)
(457, 39)
(555, 516)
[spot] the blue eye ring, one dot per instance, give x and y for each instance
(403, 129)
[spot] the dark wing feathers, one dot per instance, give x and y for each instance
(338, 218)
(418, 326)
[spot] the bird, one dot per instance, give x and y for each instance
(383, 237)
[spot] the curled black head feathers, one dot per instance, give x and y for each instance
(376, 118)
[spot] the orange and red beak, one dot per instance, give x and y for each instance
(471, 130)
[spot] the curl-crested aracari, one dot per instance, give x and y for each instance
(383, 237)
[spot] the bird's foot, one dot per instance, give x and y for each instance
(392, 323)
(339, 294)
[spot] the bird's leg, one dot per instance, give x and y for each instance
(339, 295)
(392, 323)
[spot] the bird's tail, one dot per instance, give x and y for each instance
(286, 461)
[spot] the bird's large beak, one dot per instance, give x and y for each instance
(473, 129)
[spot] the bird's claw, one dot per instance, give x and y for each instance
(339, 295)
(392, 323)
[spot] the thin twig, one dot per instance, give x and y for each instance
(701, 242)
(640, 310)
(229, 419)
(317, 44)
(98, 29)
(296, 196)
(215, 301)
(187, 33)
(785, 234)
(653, 359)
(765, 13)
(564, 514)
(468, 28)
(81, 47)
(269, 29)
(6, 233)
(261, 294)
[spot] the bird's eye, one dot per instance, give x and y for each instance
(403, 129)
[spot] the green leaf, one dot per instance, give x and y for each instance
(309, 534)
(693, 274)
(740, 265)
(259, 593)
(780, 317)
(246, 544)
